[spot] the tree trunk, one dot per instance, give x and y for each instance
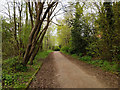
(20, 19)
(33, 56)
(15, 27)
(26, 10)
(30, 11)
(35, 32)
(39, 43)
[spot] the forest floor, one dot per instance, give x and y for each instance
(63, 71)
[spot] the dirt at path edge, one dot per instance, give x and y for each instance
(45, 77)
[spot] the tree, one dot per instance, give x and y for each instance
(63, 33)
(15, 26)
(34, 35)
(79, 31)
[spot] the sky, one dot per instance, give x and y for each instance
(3, 2)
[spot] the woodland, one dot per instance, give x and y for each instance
(89, 31)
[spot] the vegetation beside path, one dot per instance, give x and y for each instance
(93, 37)
(17, 75)
(103, 64)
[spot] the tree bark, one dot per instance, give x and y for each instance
(15, 26)
(20, 26)
(35, 31)
(39, 43)
(30, 11)
(26, 10)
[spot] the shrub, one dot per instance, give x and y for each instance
(114, 67)
(74, 55)
(100, 61)
(11, 61)
(92, 49)
(93, 62)
(71, 50)
(21, 67)
(106, 65)
(80, 55)
(65, 48)
(86, 58)
(14, 64)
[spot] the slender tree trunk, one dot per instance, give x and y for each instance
(26, 10)
(20, 26)
(30, 11)
(15, 27)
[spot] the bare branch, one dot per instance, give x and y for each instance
(30, 11)
(56, 23)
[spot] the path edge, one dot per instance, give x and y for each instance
(29, 82)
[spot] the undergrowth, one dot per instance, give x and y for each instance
(15, 75)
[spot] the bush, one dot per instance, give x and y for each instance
(80, 55)
(106, 65)
(74, 55)
(92, 49)
(93, 62)
(65, 48)
(21, 67)
(86, 58)
(71, 50)
(16, 75)
(14, 64)
(11, 61)
(114, 67)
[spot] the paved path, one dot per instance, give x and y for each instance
(70, 75)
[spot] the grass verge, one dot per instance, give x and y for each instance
(14, 75)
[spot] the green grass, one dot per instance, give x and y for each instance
(43, 54)
(16, 75)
